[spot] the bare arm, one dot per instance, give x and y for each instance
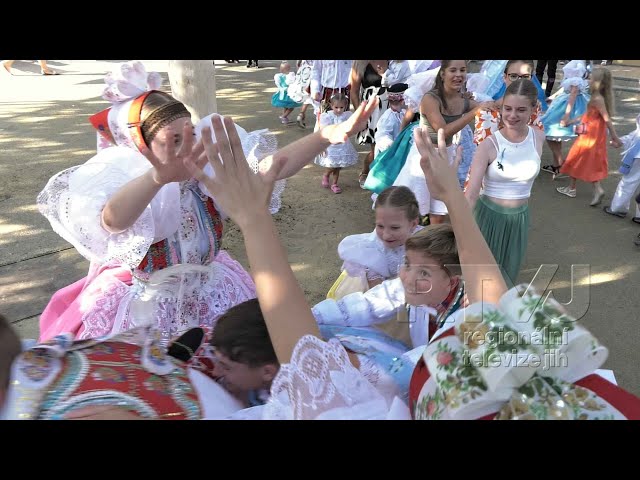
(125, 207)
(572, 100)
(482, 277)
(430, 107)
(485, 154)
(316, 80)
(408, 118)
(602, 109)
(245, 197)
(356, 82)
(289, 160)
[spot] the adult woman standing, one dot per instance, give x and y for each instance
(443, 107)
(366, 81)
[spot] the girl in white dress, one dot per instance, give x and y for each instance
(371, 258)
(338, 156)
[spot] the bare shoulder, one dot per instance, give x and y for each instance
(487, 149)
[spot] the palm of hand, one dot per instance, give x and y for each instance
(168, 163)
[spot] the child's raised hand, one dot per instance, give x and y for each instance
(339, 133)
(442, 178)
(236, 187)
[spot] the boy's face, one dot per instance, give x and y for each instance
(425, 282)
(240, 377)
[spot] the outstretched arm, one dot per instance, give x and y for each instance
(482, 277)
(245, 196)
(289, 160)
(127, 204)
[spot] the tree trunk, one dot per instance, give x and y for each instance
(193, 82)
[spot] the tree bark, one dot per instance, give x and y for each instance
(193, 82)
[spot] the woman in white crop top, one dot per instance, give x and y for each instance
(507, 165)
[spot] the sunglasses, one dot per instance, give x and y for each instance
(514, 76)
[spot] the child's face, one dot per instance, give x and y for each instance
(285, 68)
(338, 107)
(516, 111)
(171, 133)
(424, 281)
(393, 227)
(396, 106)
(239, 377)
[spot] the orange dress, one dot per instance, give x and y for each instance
(587, 159)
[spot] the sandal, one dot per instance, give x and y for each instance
(362, 180)
(550, 169)
(49, 72)
(325, 180)
(300, 121)
(335, 188)
(569, 192)
(607, 209)
(636, 220)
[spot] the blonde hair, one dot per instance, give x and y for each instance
(439, 243)
(603, 84)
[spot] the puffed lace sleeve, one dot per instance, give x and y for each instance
(73, 201)
(419, 84)
(256, 145)
(363, 253)
(326, 119)
(377, 305)
(397, 72)
(290, 78)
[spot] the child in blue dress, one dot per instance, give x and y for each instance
(281, 98)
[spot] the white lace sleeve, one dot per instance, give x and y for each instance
(419, 84)
(397, 72)
(363, 252)
(321, 384)
(326, 119)
(377, 305)
(567, 83)
(256, 145)
(73, 201)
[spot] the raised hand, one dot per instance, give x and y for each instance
(441, 176)
(340, 132)
(236, 187)
(168, 164)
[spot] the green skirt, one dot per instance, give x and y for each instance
(506, 231)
